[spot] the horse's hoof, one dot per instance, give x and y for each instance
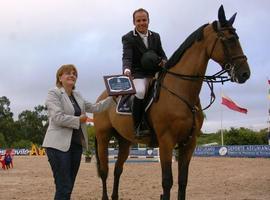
(114, 197)
(105, 198)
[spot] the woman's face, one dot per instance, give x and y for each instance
(68, 78)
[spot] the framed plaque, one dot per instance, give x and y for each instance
(119, 85)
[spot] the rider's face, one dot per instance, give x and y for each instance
(141, 22)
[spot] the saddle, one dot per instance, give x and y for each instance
(124, 104)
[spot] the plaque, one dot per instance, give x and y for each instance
(119, 85)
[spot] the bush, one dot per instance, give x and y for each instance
(244, 136)
(22, 144)
(3, 143)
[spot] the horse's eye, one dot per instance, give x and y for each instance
(232, 41)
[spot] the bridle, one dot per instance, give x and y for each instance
(229, 66)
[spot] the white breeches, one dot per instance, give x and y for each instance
(141, 85)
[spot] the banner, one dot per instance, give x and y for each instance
(247, 151)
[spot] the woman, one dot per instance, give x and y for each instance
(66, 134)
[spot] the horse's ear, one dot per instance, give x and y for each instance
(231, 20)
(221, 16)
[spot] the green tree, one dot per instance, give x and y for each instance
(6, 121)
(244, 136)
(91, 137)
(22, 144)
(209, 138)
(2, 141)
(33, 124)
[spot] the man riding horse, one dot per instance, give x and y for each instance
(142, 56)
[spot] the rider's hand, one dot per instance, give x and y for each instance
(162, 63)
(127, 72)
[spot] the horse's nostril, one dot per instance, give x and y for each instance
(246, 75)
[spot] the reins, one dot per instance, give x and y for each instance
(210, 80)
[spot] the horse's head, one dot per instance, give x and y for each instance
(225, 48)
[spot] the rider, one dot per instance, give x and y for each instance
(143, 55)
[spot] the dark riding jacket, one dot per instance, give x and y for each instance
(134, 48)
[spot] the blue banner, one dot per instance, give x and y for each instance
(250, 151)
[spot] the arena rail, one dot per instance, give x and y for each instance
(152, 154)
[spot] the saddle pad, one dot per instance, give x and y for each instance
(124, 105)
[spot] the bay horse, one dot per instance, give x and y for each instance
(176, 117)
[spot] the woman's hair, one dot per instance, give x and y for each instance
(62, 70)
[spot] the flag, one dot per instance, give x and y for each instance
(232, 105)
(268, 81)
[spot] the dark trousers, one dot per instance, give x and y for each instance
(65, 166)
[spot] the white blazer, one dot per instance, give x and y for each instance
(62, 120)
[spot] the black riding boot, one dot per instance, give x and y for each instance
(137, 111)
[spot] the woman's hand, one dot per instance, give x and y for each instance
(83, 118)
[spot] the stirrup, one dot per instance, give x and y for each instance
(140, 133)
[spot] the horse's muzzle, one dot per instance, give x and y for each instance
(240, 74)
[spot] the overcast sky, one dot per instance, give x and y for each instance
(38, 36)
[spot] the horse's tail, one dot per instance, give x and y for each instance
(97, 157)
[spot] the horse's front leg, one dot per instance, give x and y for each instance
(102, 164)
(123, 153)
(184, 157)
(166, 168)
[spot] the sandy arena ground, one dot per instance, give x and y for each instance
(210, 179)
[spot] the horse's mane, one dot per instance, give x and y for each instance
(195, 36)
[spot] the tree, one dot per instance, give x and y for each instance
(91, 137)
(6, 120)
(2, 141)
(244, 136)
(33, 124)
(4, 108)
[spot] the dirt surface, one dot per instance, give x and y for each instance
(210, 178)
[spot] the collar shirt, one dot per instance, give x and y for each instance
(144, 38)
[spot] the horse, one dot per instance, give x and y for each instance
(176, 117)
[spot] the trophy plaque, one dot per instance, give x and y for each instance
(119, 85)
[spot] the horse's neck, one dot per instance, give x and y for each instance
(193, 63)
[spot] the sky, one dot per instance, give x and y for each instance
(37, 37)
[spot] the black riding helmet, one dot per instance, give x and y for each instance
(150, 61)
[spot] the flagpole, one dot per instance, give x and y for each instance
(268, 121)
(221, 116)
(268, 118)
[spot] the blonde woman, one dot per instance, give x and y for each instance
(66, 135)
